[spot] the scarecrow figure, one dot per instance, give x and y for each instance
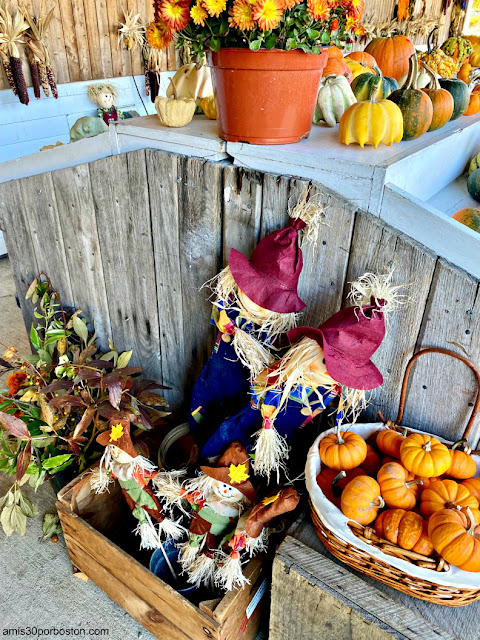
(332, 360)
(218, 496)
(121, 461)
(104, 95)
(254, 303)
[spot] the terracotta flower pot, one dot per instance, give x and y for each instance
(265, 97)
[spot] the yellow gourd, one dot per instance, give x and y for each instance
(357, 68)
(192, 82)
(209, 107)
(372, 123)
(175, 111)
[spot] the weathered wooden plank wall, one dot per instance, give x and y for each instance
(83, 39)
(131, 238)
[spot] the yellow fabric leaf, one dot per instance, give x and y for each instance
(238, 474)
(116, 433)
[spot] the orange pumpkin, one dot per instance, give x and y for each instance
(335, 52)
(338, 67)
(465, 71)
(473, 485)
(398, 487)
(371, 464)
(442, 101)
(361, 500)
(426, 483)
(456, 537)
(424, 455)
(392, 55)
(343, 450)
(332, 482)
(405, 528)
(469, 217)
(389, 442)
(463, 465)
(363, 57)
(473, 104)
(446, 494)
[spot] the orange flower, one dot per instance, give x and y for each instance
(357, 7)
(352, 23)
(15, 381)
(318, 9)
(268, 14)
(360, 31)
(215, 7)
(175, 14)
(242, 15)
(159, 35)
(334, 25)
(289, 4)
(198, 14)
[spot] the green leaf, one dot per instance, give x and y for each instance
(315, 50)
(270, 41)
(124, 359)
(291, 44)
(313, 33)
(41, 443)
(3, 500)
(35, 338)
(56, 461)
(40, 478)
(27, 507)
(44, 356)
(51, 525)
(31, 359)
(255, 45)
(31, 289)
(325, 37)
(80, 329)
(12, 520)
(215, 44)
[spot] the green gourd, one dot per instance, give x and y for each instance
(460, 93)
(362, 85)
(473, 184)
(474, 164)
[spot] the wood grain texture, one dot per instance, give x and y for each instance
(376, 247)
(450, 321)
(242, 210)
(120, 194)
(82, 247)
(83, 49)
(71, 45)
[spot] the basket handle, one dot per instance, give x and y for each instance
(447, 353)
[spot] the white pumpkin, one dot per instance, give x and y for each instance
(423, 80)
(192, 82)
(334, 98)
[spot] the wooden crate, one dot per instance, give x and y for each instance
(89, 520)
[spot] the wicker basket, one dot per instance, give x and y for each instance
(359, 547)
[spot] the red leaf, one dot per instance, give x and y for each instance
(13, 425)
(101, 364)
(107, 411)
(84, 422)
(88, 374)
(73, 443)
(143, 420)
(142, 384)
(57, 385)
(126, 371)
(114, 393)
(66, 401)
(23, 460)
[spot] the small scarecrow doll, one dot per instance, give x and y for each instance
(250, 536)
(217, 498)
(332, 360)
(254, 303)
(122, 462)
(104, 95)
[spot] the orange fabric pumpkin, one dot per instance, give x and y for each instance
(456, 537)
(446, 494)
(363, 57)
(424, 455)
(473, 485)
(392, 55)
(389, 442)
(371, 464)
(338, 67)
(405, 528)
(398, 487)
(361, 500)
(343, 450)
(463, 465)
(332, 482)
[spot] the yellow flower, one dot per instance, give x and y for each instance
(270, 499)
(116, 433)
(215, 7)
(238, 474)
(319, 9)
(175, 13)
(242, 15)
(198, 14)
(268, 14)
(159, 35)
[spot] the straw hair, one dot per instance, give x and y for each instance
(379, 287)
(311, 211)
(94, 90)
(203, 485)
(271, 453)
(229, 574)
(201, 571)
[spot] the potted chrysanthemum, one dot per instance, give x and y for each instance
(266, 57)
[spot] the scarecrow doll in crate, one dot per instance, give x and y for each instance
(255, 302)
(218, 497)
(122, 462)
(321, 364)
(104, 95)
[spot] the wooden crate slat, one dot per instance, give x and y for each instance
(375, 248)
(242, 210)
(443, 405)
(82, 247)
(140, 580)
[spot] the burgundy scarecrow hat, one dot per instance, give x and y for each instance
(119, 435)
(233, 468)
(349, 338)
(270, 277)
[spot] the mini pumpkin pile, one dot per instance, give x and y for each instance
(419, 494)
